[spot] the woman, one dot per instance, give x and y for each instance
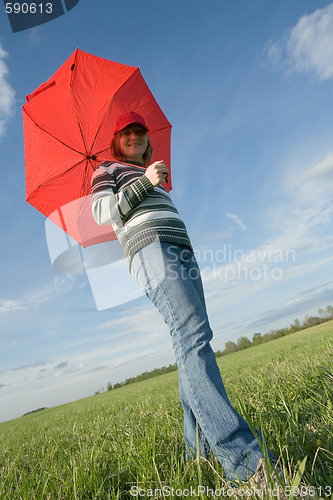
(128, 194)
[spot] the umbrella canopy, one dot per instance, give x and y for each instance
(68, 125)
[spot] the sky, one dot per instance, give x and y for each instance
(248, 89)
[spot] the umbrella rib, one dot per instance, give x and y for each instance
(78, 121)
(84, 179)
(53, 136)
(54, 178)
(159, 129)
(102, 121)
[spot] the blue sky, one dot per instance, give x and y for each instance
(248, 89)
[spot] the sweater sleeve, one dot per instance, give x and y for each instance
(109, 205)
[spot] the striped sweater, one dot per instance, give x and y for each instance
(139, 212)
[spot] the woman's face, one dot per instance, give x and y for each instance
(133, 142)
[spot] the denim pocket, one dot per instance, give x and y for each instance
(148, 266)
(138, 272)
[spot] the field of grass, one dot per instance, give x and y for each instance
(132, 437)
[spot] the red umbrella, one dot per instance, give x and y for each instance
(68, 124)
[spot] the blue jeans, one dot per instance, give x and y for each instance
(170, 277)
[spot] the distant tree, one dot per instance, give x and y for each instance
(109, 386)
(34, 411)
(243, 343)
(281, 332)
(269, 336)
(306, 321)
(230, 347)
(329, 312)
(311, 321)
(257, 338)
(295, 327)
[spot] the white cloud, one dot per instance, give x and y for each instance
(319, 296)
(34, 36)
(8, 306)
(310, 190)
(311, 43)
(307, 47)
(59, 286)
(237, 220)
(7, 93)
(128, 324)
(322, 170)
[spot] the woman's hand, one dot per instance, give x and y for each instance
(157, 173)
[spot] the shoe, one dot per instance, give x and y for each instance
(271, 480)
(264, 481)
(261, 484)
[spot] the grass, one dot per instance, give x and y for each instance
(101, 447)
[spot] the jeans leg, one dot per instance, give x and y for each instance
(173, 285)
(191, 426)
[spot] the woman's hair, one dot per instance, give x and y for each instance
(117, 154)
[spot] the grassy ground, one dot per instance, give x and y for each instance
(128, 442)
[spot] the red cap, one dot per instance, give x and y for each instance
(127, 118)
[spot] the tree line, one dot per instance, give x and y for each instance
(142, 376)
(242, 343)
(258, 338)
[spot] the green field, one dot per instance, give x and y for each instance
(132, 437)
